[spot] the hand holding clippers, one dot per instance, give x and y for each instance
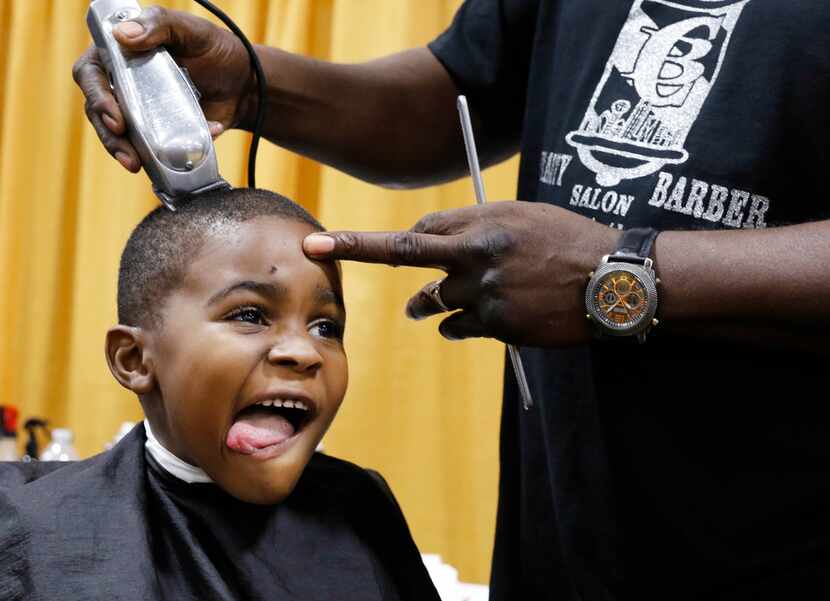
(161, 107)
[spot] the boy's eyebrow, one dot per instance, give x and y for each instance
(262, 288)
(327, 295)
(268, 290)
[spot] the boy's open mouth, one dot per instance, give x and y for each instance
(267, 423)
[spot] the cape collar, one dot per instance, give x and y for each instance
(172, 464)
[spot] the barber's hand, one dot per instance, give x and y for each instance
(216, 60)
(516, 270)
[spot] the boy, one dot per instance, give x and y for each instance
(232, 340)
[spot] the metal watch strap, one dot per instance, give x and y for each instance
(635, 244)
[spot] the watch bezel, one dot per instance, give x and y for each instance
(645, 276)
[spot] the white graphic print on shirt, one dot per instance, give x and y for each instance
(663, 66)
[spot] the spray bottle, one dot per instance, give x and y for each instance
(32, 425)
(61, 448)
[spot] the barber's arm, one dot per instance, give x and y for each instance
(519, 271)
(390, 121)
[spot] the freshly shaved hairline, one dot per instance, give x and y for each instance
(157, 254)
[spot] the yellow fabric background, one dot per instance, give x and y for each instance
(421, 410)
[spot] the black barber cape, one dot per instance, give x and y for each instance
(118, 526)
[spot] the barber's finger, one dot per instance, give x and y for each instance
(182, 33)
(102, 110)
(461, 325)
(392, 248)
(481, 239)
(451, 221)
(89, 74)
(449, 291)
(118, 146)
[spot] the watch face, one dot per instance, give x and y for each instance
(620, 298)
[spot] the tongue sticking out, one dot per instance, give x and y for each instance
(258, 429)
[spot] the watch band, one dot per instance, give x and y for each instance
(635, 245)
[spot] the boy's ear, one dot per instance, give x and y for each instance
(126, 359)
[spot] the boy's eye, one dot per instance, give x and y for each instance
(327, 328)
(253, 315)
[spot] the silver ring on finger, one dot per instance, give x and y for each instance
(433, 290)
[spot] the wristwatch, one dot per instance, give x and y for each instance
(621, 298)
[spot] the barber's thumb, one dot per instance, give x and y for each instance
(155, 26)
(461, 325)
(129, 33)
(130, 30)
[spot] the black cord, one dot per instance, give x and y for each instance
(260, 80)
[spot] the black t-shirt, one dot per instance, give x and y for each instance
(682, 468)
(117, 526)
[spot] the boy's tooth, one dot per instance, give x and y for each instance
(288, 404)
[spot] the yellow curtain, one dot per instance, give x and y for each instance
(421, 410)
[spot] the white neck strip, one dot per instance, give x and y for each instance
(172, 464)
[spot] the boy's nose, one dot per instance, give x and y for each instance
(296, 352)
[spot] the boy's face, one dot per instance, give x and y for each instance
(254, 323)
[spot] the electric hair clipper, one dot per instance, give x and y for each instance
(161, 106)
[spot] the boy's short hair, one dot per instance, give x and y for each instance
(157, 254)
